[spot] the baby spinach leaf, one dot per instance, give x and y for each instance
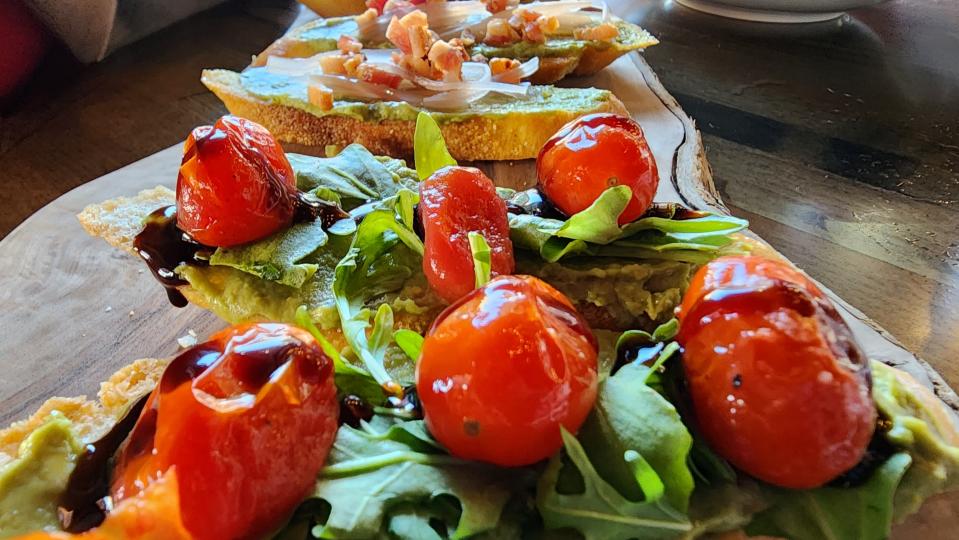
(279, 257)
(600, 512)
(429, 148)
(369, 472)
(481, 258)
(860, 513)
(353, 176)
(629, 416)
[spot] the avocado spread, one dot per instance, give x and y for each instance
(292, 92)
(31, 483)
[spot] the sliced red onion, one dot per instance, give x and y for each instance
(452, 101)
(295, 66)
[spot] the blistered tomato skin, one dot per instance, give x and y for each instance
(593, 153)
(246, 419)
(502, 369)
(779, 386)
(235, 184)
(455, 201)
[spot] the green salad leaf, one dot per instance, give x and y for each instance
(280, 257)
(629, 416)
(349, 379)
(860, 513)
(595, 232)
(375, 474)
(600, 511)
(410, 342)
(384, 254)
(352, 177)
(481, 258)
(429, 147)
(919, 423)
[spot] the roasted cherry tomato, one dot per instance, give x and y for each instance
(455, 201)
(502, 369)
(779, 386)
(593, 153)
(235, 184)
(247, 420)
(152, 514)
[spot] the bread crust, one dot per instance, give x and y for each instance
(505, 137)
(90, 418)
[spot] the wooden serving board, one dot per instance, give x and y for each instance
(76, 310)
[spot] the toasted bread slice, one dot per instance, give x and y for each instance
(560, 56)
(90, 418)
(515, 134)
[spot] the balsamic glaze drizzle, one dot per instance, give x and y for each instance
(164, 247)
(81, 507)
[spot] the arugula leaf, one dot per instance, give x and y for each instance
(595, 231)
(481, 258)
(349, 379)
(629, 416)
(864, 512)
(429, 148)
(598, 222)
(370, 471)
(600, 511)
(352, 177)
(279, 257)
(410, 342)
(384, 254)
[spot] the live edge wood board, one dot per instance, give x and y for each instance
(76, 310)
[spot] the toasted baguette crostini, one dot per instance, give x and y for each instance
(514, 134)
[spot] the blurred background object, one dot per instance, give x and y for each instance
(92, 29)
(778, 11)
(23, 40)
(335, 8)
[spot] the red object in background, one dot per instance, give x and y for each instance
(23, 40)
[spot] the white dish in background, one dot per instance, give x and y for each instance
(777, 11)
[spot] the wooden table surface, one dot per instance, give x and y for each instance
(838, 141)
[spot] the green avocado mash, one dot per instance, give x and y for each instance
(292, 92)
(631, 294)
(31, 484)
